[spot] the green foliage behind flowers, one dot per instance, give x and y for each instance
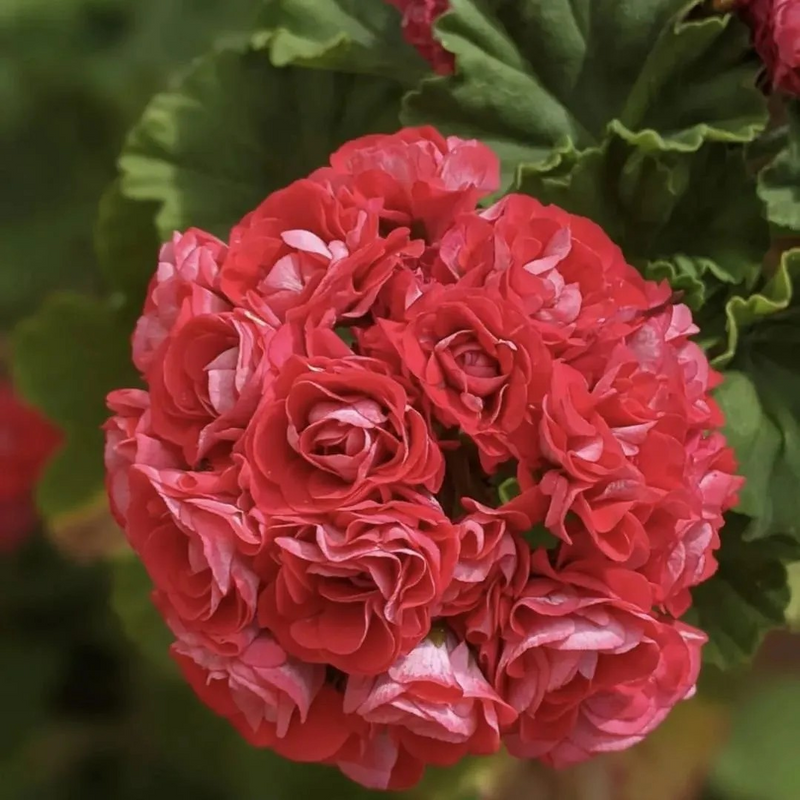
(639, 115)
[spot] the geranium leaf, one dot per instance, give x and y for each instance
(692, 218)
(531, 74)
(779, 182)
(237, 128)
(66, 359)
(775, 297)
(126, 243)
(347, 35)
(755, 438)
(747, 596)
(761, 401)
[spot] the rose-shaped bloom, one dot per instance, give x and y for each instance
(27, 440)
(356, 589)
(129, 440)
(381, 762)
(333, 432)
(310, 252)
(416, 177)
(187, 533)
(586, 665)
(667, 373)
(776, 34)
(574, 435)
(418, 19)
(684, 528)
(272, 699)
(481, 364)
(562, 271)
(436, 703)
(492, 569)
(186, 283)
(207, 379)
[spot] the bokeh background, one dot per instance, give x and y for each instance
(90, 706)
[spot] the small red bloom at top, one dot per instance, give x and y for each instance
(776, 36)
(418, 19)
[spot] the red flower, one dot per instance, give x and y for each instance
(561, 270)
(437, 705)
(356, 589)
(206, 380)
(187, 532)
(273, 700)
(129, 441)
(481, 364)
(418, 19)
(587, 667)
(185, 284)
(310, 252)
(776, 35)
(374, 348)
(492, 569)
(332, 432)
(27, 440)
(415, 178)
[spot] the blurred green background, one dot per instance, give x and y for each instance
(84, 712)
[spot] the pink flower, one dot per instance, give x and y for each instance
(684, 536)
(587, 666)
(356, 589)
(188, 533)
(418, 19)
(776, 34)
(186, 283)
(333, 432)
(561, 270)
(272, 699)
(27, 441)
(435, 703)
(382, 763)
(414, 178)
(492, 569)
(310, 252)
(206, 380)
(370, 348)
(481, 364)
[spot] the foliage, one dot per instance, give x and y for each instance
(643, 116)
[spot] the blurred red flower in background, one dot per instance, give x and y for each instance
(27, 440)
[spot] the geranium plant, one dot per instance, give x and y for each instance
(461, 409)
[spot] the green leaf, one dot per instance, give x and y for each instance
(236, 128)
(761, 402)
(754, 437)
(508, 490)
(692, 218)
(771, 300)
(746, 597)
(140, 621)
(66, 359)
(531, 74)
(539, 537)
(779, 182)
(346, 35)
(346, 335)
(126, 243)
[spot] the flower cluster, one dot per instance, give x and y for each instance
(418, 19)
(27, 440)
(776, 35)
(413, 478)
